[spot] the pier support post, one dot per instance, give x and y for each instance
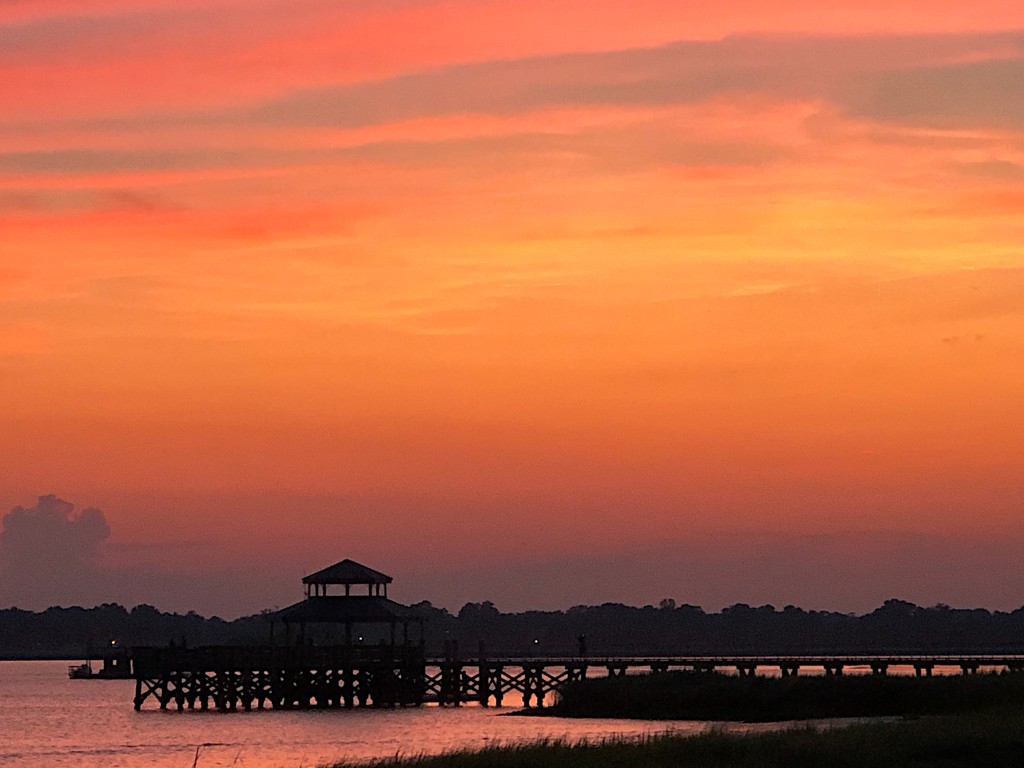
(533, 684)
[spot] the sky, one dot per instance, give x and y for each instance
(544, 302)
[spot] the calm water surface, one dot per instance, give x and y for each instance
(49, 721)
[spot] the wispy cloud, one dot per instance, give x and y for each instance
(529, 260)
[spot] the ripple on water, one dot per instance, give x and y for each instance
(49, 720)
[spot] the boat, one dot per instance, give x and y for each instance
(81, 671)
(115, 664)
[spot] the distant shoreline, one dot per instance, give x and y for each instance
(606, 630)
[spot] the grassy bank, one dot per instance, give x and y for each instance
(702, 696)
(993, 739)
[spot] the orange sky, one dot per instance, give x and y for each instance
(466, 285)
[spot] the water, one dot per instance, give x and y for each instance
(49, 721)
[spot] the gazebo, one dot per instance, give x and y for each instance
(370, 606)
(348, 573)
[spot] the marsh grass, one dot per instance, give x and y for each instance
(990, 739)
(704, 696)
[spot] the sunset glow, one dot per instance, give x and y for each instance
(452, 286)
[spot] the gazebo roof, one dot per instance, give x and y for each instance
(347, 572)
(331, 610)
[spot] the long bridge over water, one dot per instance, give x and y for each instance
(314, 677)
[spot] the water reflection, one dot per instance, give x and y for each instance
(49, 720)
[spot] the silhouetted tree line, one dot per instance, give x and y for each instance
(72, 633)
(687, 629)
(608, 629)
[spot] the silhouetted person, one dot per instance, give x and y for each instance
(581, 641)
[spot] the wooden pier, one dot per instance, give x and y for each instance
(310, 677)
(327, 670)
(303, 677)
(486, 681)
